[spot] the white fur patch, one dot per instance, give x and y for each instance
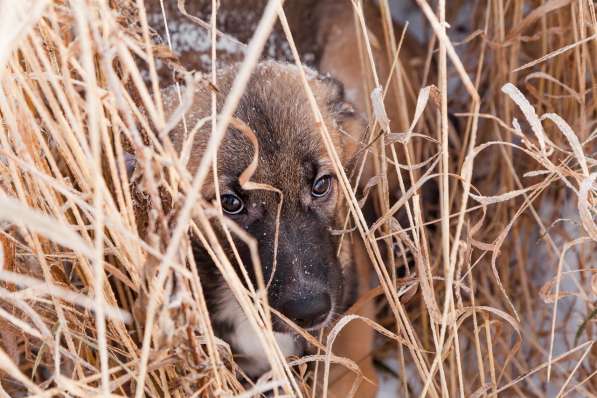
(244, 340)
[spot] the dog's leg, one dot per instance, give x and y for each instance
(355, 341)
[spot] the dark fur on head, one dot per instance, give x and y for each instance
(291, 157)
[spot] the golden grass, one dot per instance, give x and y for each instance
(503, 298)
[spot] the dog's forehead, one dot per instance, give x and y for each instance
(289, 142)
(276, 108)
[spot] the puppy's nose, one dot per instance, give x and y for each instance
(309, 311)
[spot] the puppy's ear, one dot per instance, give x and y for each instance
(336, 100)
(350, 123)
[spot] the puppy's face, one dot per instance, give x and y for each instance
(304, 274)
(308, 282)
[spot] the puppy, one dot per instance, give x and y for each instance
(310, 283)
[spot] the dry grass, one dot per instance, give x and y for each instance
(504, 298)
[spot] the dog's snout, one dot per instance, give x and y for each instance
(308, 311)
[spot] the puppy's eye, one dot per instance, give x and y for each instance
(231, 203)
(321, 186)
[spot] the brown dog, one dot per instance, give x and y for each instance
(310, 283)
